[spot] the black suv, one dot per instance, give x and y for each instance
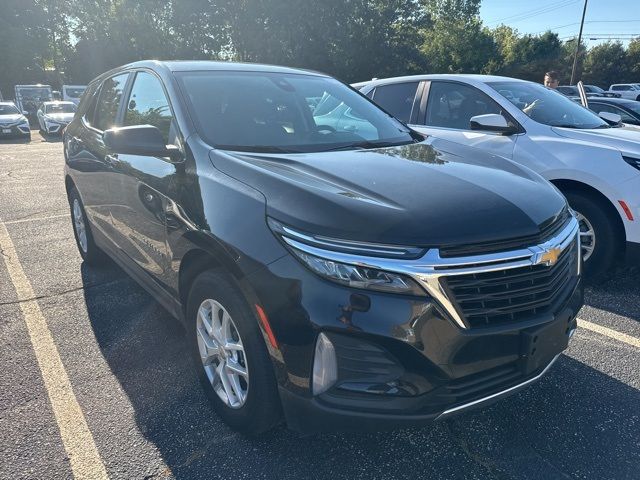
(332, 267)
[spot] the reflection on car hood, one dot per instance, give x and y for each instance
(60, 117)
(13, 118)
(626, 140)
(430, 194)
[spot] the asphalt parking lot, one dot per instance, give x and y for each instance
(86, 351)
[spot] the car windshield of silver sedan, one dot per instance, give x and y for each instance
(278, 112)
(8, 110)
(546, 106)
(60, 108)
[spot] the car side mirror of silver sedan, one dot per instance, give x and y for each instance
(491, 122)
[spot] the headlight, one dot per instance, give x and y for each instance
(359, 277)
(634, 162)
(355, 273)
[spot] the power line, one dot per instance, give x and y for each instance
(588, 21)
(535, 12)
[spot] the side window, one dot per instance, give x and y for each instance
(601, 107)
(109, 101)
(148, 105)
(397, 99)
(451, 105)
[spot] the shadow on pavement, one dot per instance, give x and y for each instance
(619, 293)
(577, 422)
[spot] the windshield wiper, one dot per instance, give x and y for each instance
(258, 148)
(366, 145)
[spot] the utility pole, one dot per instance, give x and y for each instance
(575, 57)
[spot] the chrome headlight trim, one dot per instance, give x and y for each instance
(428, 269)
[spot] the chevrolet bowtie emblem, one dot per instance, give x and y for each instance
(549, 257)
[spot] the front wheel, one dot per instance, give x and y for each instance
(230, 354)
(598, 237)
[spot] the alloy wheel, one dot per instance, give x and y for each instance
(587, 236)
(222, 353)
(78, 224)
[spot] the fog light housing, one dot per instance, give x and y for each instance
(325, 365)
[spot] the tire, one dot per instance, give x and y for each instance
(260, 410)
(592, 215)
(87, 247)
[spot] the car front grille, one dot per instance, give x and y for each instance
(516, 294)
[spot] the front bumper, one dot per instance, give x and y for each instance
(54, 128)
(12, 131)
(402, 361)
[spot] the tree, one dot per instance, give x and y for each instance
(606, 64)
(633, 60)
(456, 42)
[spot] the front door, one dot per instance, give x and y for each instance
(142, 183)
(450, 106)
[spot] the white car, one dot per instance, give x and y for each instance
(72, 93)
(630, 91)
(13, 122)
(595, 165)
(54, 116)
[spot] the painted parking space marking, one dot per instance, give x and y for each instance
(619, 336)
(76, 437)
(34, 219)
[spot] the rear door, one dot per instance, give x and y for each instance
(448, 111)
(399, 99)
(93, 165)
(142, 183)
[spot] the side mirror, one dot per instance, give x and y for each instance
(139, 140)
(610, 118)
(491, 122)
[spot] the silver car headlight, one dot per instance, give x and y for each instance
(354, 273)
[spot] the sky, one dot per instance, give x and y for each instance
(604, 18)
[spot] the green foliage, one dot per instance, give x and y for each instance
(606, 64)
(72, 41)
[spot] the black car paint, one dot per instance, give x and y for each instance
(162, 221)
(620, 103)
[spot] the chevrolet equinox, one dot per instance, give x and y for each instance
(332, 267)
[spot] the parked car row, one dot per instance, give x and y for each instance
(39, 103)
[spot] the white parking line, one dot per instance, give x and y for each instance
(619, 336)
(33, 219)
(74, 431)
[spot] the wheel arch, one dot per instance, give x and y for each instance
(575, 186)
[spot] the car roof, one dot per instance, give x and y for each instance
(613, 101)
(473, 78)
(210, 65)
(7, 103)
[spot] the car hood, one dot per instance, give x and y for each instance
(4, 119)
(59, 117)
(433, 193)
(624, 139)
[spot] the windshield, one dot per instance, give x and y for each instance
(74, 92)
(278, 112)
(547, 106)
(593, 89)
(8, 110)
(60, 108)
